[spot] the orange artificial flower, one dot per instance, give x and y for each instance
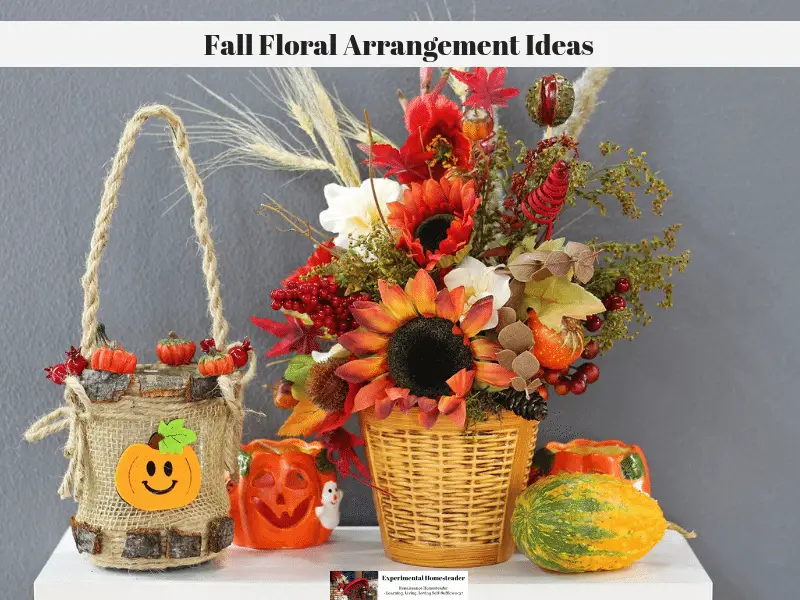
(414, 352)
(435, 219)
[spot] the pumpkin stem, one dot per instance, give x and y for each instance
(172, 335)
(689, 535)
(100, 335)
(154, 439)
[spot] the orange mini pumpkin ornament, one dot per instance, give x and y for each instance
(162, 474)
(286, 496)
(111, 356)
(175, 351)
(609, 457)
(214, 362)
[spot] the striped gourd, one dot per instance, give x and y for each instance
(576, 522)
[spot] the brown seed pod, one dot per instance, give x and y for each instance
(325, 388)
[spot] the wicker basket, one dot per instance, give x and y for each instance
(451, 494)
(107, 413)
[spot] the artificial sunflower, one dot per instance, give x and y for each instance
(435, 219)
(414, 352)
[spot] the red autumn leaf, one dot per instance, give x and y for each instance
(487, 88)
(407, 164)
(295, 335)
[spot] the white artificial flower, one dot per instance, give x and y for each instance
(352, 212)
(480, 281)
(336, 351)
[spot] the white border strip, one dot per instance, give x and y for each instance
(613, 43)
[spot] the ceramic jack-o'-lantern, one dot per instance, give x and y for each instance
(286, 496)
(609, 457)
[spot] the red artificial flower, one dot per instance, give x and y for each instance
(321, 256)
(295, 335)
(435, 219)
(405, 163)
(434, 126)
(487, 88)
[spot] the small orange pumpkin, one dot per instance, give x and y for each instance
(214, 362)
(274, 504)
(175, 351)
(609, 457)
(556, 349)
(162, 474)
(111, 356)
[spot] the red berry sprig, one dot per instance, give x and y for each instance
(322, 300)
(593, 323)
(575, 383)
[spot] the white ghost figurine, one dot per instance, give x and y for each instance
(328, 513)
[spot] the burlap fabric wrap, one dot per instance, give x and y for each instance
(106, 413)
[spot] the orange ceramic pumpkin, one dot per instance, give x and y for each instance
(277, 502)
(609, 457)
(175, 351)
(111, 356)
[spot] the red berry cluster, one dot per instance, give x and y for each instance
(322, 300)
(576, 382)
(613, 301)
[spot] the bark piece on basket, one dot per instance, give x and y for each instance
(161, 384)
(203, 388)
(181, 544)
(142, 543)
(220, 534)
(104, 386)
(87, 538)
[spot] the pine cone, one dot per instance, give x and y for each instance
(532, 408)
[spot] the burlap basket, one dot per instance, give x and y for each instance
(451, 493)
(107, 412)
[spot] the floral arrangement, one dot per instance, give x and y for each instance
(440, 284)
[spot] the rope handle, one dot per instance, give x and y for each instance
(108, 203)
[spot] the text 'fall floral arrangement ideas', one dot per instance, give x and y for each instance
(439, 296)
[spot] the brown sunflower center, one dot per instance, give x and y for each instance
(433, 231)
(442, 152)
(424, 353)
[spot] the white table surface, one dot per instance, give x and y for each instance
(669, 571)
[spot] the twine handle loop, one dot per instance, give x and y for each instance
(108, 203)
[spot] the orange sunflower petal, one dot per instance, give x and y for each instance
(396, 301)
(368, 395)
(455, 407)
(363, 341)
(477, 316)
(428, 419)
(374, 317)
(426, 404)
(460, 383)
(493, 374)
(383, 407)
(445, 307)
(363, 369)
(459, 297)
(482, 348)
(422, 291)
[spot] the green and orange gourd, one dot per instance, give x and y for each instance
(578, 522)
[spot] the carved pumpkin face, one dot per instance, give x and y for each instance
(273, 505)
(152, 478)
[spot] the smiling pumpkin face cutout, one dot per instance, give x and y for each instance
(163, 473)
(280, 486)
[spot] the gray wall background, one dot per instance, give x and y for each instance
(709, 390)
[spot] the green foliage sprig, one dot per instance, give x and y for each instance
(648, 266)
